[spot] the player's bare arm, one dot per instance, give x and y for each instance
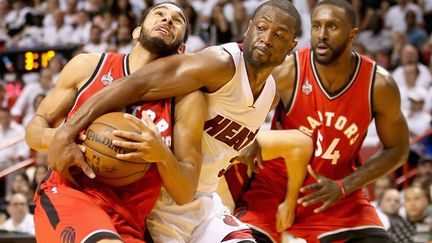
(166, 77)
(393, 133)
(170, 76)
(285, 77)
(296, 149)
(180, 176)
(52, 111)
(179, 170)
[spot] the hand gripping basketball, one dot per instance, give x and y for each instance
(147, 146)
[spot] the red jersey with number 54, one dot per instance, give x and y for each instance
(339, 119)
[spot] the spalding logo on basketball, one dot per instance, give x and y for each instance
(101, 153)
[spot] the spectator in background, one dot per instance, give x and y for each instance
(49, 9)
(124, 40)
(38, 100)
(82, 26)
(3, 96)
(55, 65)
(380, 186)
(395, 18)
(4, 10)
(122, 7)
(376, 39)
(20, 219)
(388, 208)
(72, 7)
(416, 35)
(424, 167)
(15, 18)
(416, 201)
(12, 145)
(304, 37)
(20, 184)
(419, 121)
(194, 43)
(220, 28)
(96, 44)
(60, 33)
(94, 7)
(399, 41)
(38, 174)
(32, 33)
(364, 13)
(23, 107)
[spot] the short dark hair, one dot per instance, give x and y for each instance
(345, 5)
(285, 6)
(148, 10)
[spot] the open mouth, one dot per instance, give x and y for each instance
(322, 48)
(163, 29)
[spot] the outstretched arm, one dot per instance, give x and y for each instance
(165, 77)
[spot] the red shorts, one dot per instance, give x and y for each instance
(95, 212)
(259, 205)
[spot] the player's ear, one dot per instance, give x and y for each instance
(181, 49)
(247, 30)
(293, 45)
(353, 35)
(136, 33)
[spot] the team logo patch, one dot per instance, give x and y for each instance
(107, 79)
(68, 235)
(229, 220)
(307, 87)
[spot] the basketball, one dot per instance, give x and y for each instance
(100, 153)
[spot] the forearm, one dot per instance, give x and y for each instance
(295, 148)
(296, 166)
(39, 134)
(378, 166)
(179, 178)
(111, 98)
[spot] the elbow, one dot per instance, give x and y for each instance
(403, 155)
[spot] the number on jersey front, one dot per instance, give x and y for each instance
(330, 152)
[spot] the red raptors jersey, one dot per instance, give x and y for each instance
(340, 122)
(134, 202)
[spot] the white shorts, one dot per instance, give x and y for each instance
(203, 220)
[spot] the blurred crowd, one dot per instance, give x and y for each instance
(395, 33)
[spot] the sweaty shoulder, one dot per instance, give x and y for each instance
(79, 69)
(218, 66)
(385, 91)
(285, 75)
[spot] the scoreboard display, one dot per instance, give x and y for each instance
(32, 60)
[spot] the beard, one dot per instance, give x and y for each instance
(157, 45)
(251, 60)
(335, 52)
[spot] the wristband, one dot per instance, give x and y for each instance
(342, 189)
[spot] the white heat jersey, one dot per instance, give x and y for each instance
(233, 119)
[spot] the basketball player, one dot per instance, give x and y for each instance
(333, 91)
(240, 93)
(95, 212)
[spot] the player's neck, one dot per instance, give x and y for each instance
(257, 78)
(139, 57)
(344, 67)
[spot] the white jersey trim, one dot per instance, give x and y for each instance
(99, 231)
